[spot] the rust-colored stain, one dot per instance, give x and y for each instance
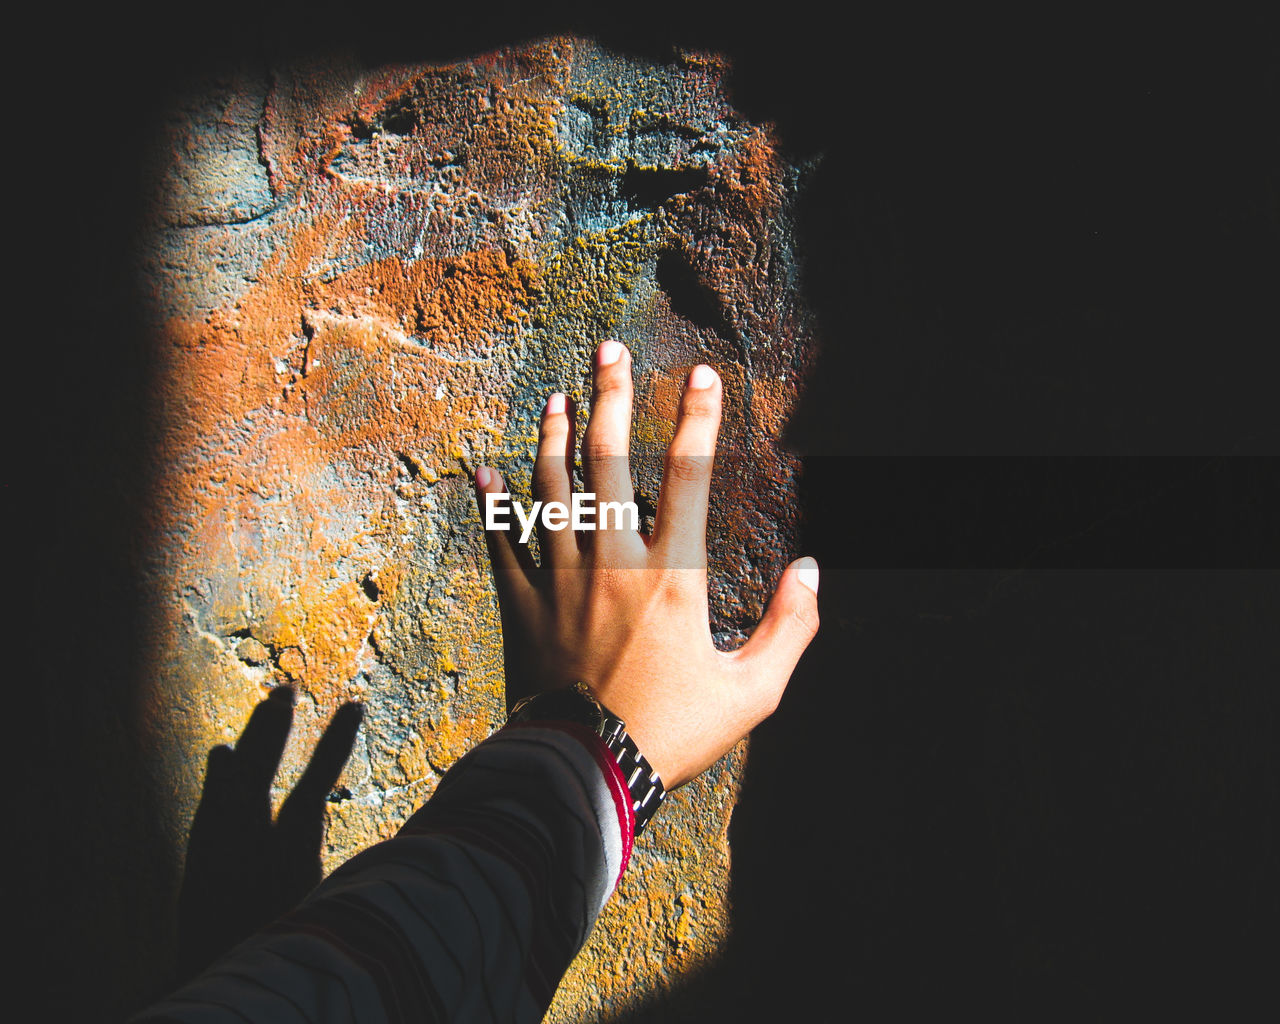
(364, 283)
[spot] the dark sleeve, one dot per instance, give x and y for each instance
(472, 912)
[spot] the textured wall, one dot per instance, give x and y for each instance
(364, 283)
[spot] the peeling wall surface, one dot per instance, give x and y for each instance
(364, 284)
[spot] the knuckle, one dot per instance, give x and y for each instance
(599, 448)
(687, 468)
(676, 585)
(806, 614)
(698, 405)
(553, 427)
(611, 383)
(549, 469)
(607, 592)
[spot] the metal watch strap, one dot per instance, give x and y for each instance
(647, 792)
(577, 703)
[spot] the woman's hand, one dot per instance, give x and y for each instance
(627, 613)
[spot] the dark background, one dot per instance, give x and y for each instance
(1029, 765)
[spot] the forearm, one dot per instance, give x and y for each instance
(474, 910)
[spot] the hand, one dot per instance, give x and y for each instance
(627, 613)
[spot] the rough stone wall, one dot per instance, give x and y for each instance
(364, 283)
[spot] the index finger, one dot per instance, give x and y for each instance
(680, 525)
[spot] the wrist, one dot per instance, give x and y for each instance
(577, 706)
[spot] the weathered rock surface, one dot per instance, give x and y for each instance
(364, 284)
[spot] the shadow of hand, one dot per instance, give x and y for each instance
(243, 870)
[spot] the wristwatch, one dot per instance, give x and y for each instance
(577, 703)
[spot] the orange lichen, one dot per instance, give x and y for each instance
(452, 306)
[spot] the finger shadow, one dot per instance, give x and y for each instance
(243, 869)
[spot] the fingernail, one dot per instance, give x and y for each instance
(483, 476)
(702, 377)
(555, 404)
(609, 352)
(807, 573)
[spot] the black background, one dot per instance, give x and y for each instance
(1029, 764)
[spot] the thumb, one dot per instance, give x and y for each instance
(789, 623)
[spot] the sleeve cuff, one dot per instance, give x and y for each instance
(613, 799)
